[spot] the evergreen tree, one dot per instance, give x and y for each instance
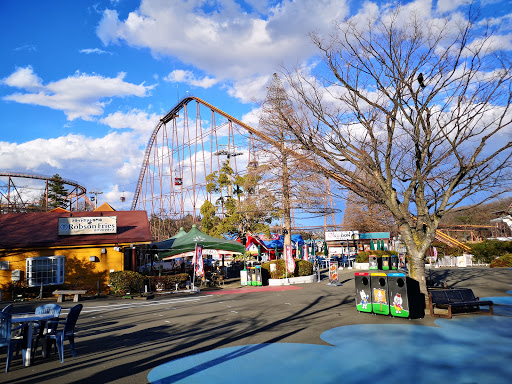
(57, 194)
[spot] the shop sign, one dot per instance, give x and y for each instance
(341, 235)
(87, 225)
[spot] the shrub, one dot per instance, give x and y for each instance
(504, 261)
(488, 250)
(126, 281)
(363, 257)
(169, 282)
(279, 272)
(302, 268)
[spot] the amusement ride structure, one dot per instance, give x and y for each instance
(193, 140)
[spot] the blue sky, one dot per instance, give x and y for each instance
(83, 83)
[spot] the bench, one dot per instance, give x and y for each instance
(458, 300)
(76, 293)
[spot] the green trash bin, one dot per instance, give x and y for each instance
(249, 276)
(363, 292)
(257, 276)
(385, 262)
(399, 301)
(380, 293)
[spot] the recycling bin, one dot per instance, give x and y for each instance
(394, 262)
(399, 301)
(380, 294)
(372, 260)
(385, 262)
(363, 292)
(253, 276)
(257, 276)
(249, 276)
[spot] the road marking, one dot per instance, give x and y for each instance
(130, 305)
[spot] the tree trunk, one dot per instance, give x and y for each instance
(286, 202)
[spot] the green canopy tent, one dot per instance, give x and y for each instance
(167, 243)
(188, 242)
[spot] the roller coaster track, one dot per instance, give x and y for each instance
(174, 113)
(76, 193)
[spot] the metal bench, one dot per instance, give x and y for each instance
(458, 300)
(76, 293)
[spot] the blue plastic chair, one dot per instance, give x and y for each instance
(344, 261)
(67, 332)
(49, 326)
(5, 338)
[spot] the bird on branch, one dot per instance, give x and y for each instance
(420, 80)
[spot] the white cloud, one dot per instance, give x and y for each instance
(188, 77)
(229, 43)
(115, 156)
(444, 6)
(78, 96)
(24, 78)
(140, 121)
(250, 89)
(98, 51)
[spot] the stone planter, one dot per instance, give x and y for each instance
(361, 265)
(292, 280)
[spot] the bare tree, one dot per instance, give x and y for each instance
(420, 108)
(364, 216)
(295, 184)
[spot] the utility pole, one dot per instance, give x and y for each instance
(95, 198)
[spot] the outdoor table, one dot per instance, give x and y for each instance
(28, 319)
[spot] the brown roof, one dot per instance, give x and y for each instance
(31, 230)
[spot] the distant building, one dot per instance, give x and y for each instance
(502, 224)
(75, 248)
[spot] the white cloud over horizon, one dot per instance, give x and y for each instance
(78, 96)
(229, 43)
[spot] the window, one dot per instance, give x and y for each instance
(46, 270)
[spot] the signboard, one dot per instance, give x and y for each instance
(333, 271)
(87, 225)
(341, 235)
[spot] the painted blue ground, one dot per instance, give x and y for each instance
(475, 349)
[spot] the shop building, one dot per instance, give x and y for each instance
(79, 249)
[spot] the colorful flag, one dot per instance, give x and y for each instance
(305, 252)
(198, 258)
(290, 263)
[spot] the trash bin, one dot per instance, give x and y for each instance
(399, 301)
(257, 276)
(385, 262)
(251, 276)
(372, 260)
(380, 294)
(394, 262)
(363, 292)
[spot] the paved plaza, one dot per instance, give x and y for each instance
(295, 334)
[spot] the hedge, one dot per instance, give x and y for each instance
(126, 281)
(302, 268)
(363, 257)
(502, 262)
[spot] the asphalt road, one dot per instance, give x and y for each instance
(121, 340)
